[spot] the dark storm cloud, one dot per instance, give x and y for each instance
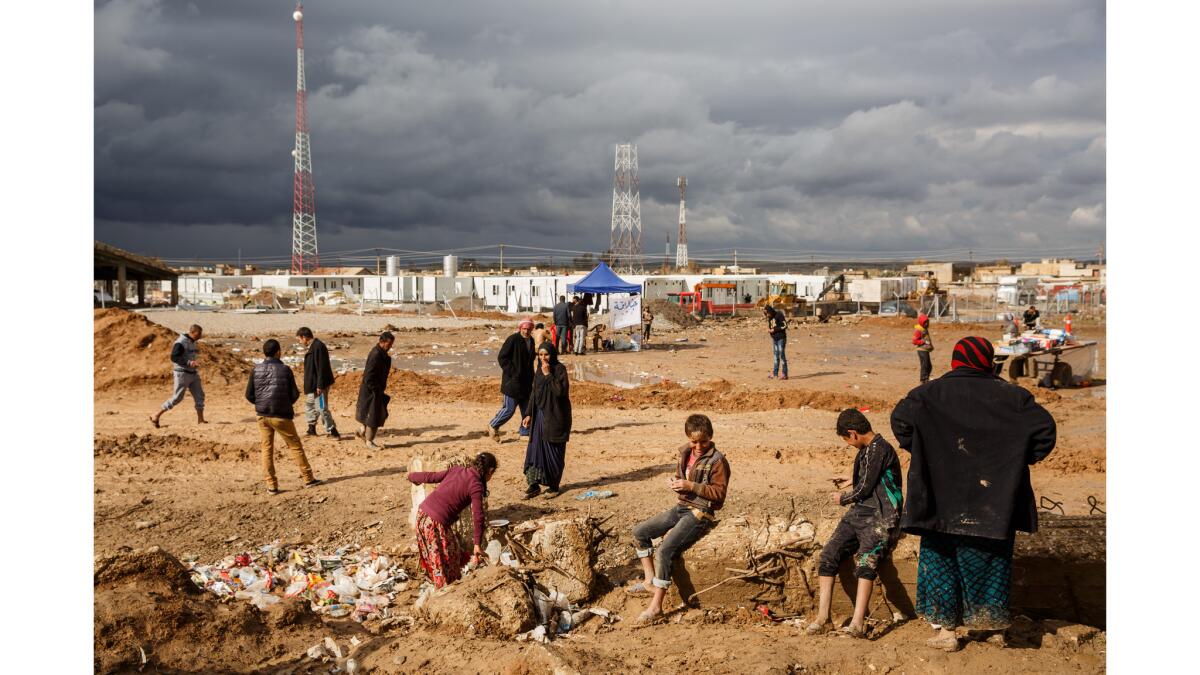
(869, 126)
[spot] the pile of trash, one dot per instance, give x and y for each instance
(349, 582)
(558, 616)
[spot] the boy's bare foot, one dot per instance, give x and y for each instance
(945, 640)
(852, 631)
(154, 421)
(649, 616)
(815, 628)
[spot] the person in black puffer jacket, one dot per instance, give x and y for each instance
(272, 390)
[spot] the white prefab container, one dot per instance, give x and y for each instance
(393, 265)
(450, 266)
(882, 289)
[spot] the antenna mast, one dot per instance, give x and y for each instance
(304, 195)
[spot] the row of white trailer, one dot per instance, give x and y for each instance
(526, 292)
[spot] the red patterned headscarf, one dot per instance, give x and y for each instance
(975, 353)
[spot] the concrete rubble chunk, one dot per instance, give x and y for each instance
(489, 602)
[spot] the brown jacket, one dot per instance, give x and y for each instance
(711, 473)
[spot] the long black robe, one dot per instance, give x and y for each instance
(372, 401)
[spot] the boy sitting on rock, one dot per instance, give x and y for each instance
(870, 528)
(700, 482)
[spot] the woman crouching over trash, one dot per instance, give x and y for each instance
(442, 554)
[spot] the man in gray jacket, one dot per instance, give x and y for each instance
(562, 323)
(272, 390)
(185, 355)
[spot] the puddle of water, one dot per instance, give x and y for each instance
(625, 379)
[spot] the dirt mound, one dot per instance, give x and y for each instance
(673, 313)
(128, 349)
(490, 602)
(717, 395)
(149, 615)
(166, 445)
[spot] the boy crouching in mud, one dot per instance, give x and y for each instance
(700, 482)
(871, 525)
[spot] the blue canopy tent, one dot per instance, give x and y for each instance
(603, 280)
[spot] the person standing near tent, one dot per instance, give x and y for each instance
(579, 324)
(318, 378)
(924, 344)
(647, 319)
(972, 437)
(562, 320)
(777, 327)
(185, 355)
(373, 400)
(516, 377)
(549, 423)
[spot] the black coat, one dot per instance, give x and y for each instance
(516, 366)
(579, 314)
(972, 437)
(272, 389)
(552, 394)
(372, 401)
(318, 373)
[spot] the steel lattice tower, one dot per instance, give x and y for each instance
(681, 259)
(304, 195)
(626, 246)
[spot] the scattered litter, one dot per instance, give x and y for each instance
(361, 584)
(865, 335)
(595, 494)
(498, 522)
(332, 647)
(536, 635)
(681, 339)
(144, 524)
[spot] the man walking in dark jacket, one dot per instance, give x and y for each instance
(562, 323)
(516, 377)
(272, 390)
(185, 355)
(579, 324)
(972, 437)
(318, 378)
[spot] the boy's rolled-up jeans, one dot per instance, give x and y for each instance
(679, 528)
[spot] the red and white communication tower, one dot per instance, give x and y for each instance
(304, 195)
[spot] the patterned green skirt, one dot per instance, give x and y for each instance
(964, 581)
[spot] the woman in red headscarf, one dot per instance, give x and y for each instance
(924, 344)
(972, 437)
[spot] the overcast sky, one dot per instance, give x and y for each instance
(859, 126)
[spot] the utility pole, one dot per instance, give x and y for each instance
(376, 262)
(501, 258)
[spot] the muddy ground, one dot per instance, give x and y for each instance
(196, 490)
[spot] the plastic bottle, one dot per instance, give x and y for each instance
(1067, 325)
